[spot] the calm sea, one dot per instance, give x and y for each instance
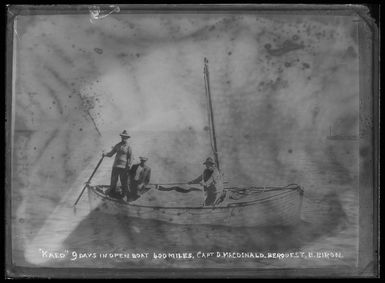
(329, 224)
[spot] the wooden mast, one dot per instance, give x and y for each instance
(211, 115)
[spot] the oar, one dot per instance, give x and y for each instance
(89, 180)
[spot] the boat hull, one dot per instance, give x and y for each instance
(277, 208)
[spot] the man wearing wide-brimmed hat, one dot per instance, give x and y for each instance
(121, 165)
(212, 182)
(140, 175)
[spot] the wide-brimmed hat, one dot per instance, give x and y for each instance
(124, 134)
(209, 160)
(142, 158)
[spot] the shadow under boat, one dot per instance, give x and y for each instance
(101, 232)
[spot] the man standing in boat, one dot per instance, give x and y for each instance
(121, 166)
(212, 182)
(140, 175)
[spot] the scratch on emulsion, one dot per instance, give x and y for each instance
(93, 121)
(15, 30)
(96, 15)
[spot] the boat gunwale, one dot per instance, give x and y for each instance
(229, 206)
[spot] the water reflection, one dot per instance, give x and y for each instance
(104, 233)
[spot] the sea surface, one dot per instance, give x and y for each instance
(329, 225)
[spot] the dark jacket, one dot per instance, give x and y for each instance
(144, 177)
(211, 179)
(204, 177)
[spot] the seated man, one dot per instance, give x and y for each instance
(140, 175)
(212, 182)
